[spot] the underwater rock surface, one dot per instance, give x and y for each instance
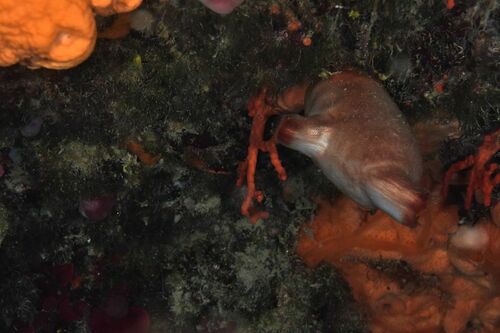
(158, 119)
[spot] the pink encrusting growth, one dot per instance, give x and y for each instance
(60, 301)
(97, 208)
(115, 315)
(222, 7)
(354, 132)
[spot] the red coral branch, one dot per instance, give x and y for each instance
(482, 176)
(260, 110)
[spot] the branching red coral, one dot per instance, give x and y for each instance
(260, 110)
(483, 176)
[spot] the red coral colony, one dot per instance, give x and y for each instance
(483, 175)
(260, 110)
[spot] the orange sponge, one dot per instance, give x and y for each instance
(55, 34)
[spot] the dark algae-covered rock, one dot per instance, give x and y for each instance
(124, 168)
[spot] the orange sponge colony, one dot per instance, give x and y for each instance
(109, 7)
(56, 34)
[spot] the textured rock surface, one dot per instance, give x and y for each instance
(175, 235)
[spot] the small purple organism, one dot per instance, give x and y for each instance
(222, 7)
(98, 208)
(32, 128)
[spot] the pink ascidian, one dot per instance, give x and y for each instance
(222, 7)
(353, 131)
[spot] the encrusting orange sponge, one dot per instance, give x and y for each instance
(109, 7)
(56, 34)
